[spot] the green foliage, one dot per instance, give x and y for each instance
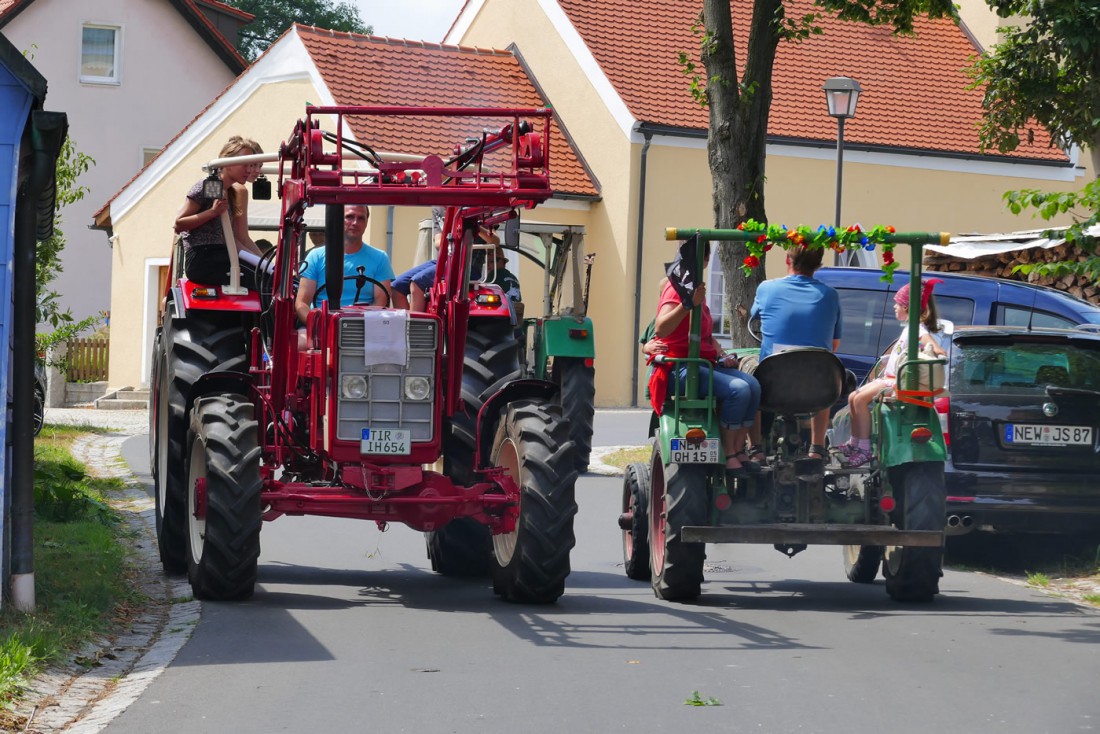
(274, 17)
(64, 332)
(697, 700)
(71, 164)
(1083, 206)
(1043, 73)
(63, 492)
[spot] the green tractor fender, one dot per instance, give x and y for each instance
(899, 424)
(565, 336)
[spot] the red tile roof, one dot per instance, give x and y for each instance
(372, 70)
(914, 89)
(191, 13)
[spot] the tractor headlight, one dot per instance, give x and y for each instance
(417, 387)
(353, 387)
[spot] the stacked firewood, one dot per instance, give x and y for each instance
(1004, 265)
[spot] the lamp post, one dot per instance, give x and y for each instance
(841, 94)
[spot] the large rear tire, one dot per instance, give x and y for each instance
(577, 398)
(862, 562)
(462, 547)
(532, 444)
(636, 487)
(913, 573)
(188, 348)
(678, 498)
(223, 520)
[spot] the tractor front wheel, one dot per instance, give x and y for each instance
(532, 445)
(678, 498)
(913, 573)
(223, 498)
(635, 506)
(862, 562)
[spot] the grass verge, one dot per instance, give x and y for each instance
(82, 576)
(619, 459)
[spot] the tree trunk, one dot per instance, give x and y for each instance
(737, 140)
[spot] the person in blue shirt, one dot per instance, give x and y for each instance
(798, 311)
(375, 263)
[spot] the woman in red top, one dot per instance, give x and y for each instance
(738, 393)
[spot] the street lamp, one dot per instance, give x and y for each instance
(841, 94)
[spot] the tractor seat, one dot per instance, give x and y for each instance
(800, 381)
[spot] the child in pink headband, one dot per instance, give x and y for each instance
(857, 451)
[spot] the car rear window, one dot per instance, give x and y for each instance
(1023, 368)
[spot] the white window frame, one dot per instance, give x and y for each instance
(148, 153)
(716, 293)
(116, 79)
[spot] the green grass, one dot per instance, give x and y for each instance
(1038, 579)
(80, 567)
(619, 459)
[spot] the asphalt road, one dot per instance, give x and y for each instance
(350, 631)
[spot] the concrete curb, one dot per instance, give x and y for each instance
(85, 694)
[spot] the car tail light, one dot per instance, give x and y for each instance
(943, 407)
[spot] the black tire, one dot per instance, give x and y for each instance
(189, 348)
(224, 541)
(636, 538)
(462, 547)
(577, 397)
(39, 418)
(678, 497)
(491, 360)
(531, 563)
(913, 573)
(862, 562)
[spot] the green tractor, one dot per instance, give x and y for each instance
(889, 513)
(560, 344)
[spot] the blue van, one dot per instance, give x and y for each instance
(867, 308)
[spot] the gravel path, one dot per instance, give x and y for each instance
(130, 422)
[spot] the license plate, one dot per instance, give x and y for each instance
(384, 441)
(1028, 434)
(683, 452)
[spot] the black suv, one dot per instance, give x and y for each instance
(867, 308)
(1022, 421)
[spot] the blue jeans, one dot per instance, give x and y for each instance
(738, 394)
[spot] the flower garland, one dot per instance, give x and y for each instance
(838, 240)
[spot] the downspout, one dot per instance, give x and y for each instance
(638, 274)
(389, 232)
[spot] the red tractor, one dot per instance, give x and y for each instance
(251, 420)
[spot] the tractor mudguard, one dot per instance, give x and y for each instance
(188, 300)
(565, 336)
(491, 410)
(897, 421)
(219, 383)
(671, 426)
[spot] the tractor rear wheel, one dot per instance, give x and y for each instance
(462, 547)
(532, 445)
(635, 506)
(677, 498)
(577, 396)
(862, 562)
(223, 501)
(913, 573)
(187, 349)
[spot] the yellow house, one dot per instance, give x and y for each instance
(632, 159)
(611, 70)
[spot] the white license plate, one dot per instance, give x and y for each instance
(384, 441)
(1028, 434)
(683, 452)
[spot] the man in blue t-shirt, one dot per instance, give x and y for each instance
(799, 311)
(357, 253)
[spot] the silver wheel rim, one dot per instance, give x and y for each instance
(196, 528)
(504, 545)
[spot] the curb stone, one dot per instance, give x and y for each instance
(84, 694)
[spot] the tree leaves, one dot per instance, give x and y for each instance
(274, 17)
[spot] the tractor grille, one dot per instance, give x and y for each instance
(385, 404)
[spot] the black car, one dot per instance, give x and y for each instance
(867, 309)
(1023, 428)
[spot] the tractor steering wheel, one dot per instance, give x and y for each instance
(360, 280)
(753, 327)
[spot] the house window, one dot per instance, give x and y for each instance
(99, 54)
(147, 155)
(716, 295)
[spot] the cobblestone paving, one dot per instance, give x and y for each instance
(84, 695)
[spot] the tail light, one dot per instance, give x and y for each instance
(943, 407)
(695, 436)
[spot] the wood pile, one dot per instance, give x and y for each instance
(1004, 264)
